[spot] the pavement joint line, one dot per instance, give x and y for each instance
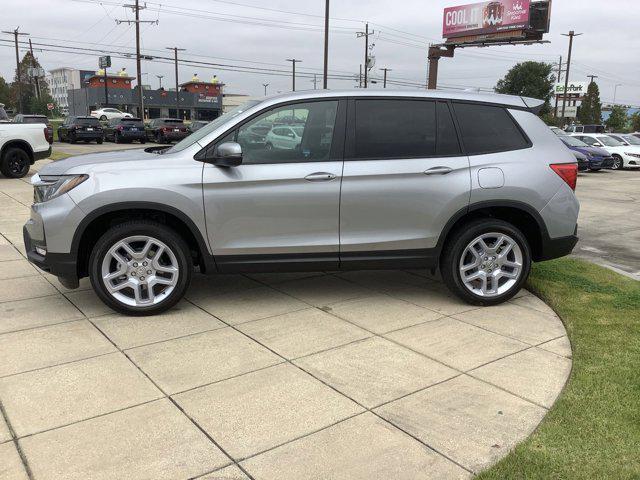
(14, 439)
(75, 422)
(168, 397)
(42, 326)
(29, 298)
(340, 393)
(57, 364)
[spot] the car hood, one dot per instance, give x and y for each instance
(595, 151)
(93, 159)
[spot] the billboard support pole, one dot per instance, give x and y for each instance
(435, 53)
(571, 34)
(555, 110)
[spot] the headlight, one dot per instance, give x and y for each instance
(48, 187)
(637, 155)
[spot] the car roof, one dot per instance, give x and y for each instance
(494, 98)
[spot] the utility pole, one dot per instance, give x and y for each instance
(591, 77)
(175, 61)
(326, 45)
(136, 9)
(315, 81)
(293, 72)
(360, 77)
(385, 70)
(16, 34)
(558, 80)
(33, 66)
(571, 34)
(265, 85)
(366, 34)
(160, 77)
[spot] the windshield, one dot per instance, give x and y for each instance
(210, 127)
(572, 141)
(610, 142)
(630, 139)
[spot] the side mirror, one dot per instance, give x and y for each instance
(228, 154)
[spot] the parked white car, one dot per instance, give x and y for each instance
(624, 156)
(21, 144)
(109, 113)
(284, 137)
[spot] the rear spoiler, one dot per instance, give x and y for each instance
(533, 104)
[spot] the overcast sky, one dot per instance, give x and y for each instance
(263, 34)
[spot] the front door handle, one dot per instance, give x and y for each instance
(320, 177)
(438, 171)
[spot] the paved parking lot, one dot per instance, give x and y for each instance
(371, 375)
(609, 222)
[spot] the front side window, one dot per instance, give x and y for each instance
(294, 133)
(589, 140)
(488, 129)
(395, 129)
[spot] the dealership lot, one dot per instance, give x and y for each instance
(282, 376)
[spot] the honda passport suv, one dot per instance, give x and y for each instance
(474, 185)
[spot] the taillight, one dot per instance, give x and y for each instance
(568, 172)
(120, 128)
(166, 129)
(48, 134)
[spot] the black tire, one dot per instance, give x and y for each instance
(147, 228)
(143, 141)
(617, 164)
(594, 169)
(15, 163)
(116, 138)
(99, 141)
(103, 118)
(71, 138)
(455, 248)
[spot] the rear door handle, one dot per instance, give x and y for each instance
(438, 171)
(320, 177)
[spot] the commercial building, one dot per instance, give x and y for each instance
(61, 80)
(196, 100)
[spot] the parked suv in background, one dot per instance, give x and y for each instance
(86, 129)
(127, 129)
(623, 155)
(475, 185)
(167, 130)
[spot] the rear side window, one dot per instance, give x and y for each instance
(488, 129)
(395, 129)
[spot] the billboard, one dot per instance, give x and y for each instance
(485, 18)
(573, 88)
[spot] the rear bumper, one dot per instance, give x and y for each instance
(557, 247)
(42, 155)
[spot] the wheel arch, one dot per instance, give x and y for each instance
(520, 215)
(23, 145)
(95, 224)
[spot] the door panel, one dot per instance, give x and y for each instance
(281, 203)
(401, 199)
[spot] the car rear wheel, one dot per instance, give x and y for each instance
(99, 141)
(617, 163)
(486, 262)
(103, 118)
(140, 268)
(116, 138)
(15, 163)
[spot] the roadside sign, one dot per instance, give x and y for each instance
(570, 111)
(574, 88)
(104, 61)
(50, 106)
(485, 18)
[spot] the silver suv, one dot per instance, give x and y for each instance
(475, 185)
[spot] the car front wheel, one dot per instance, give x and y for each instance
(486, 262)
(140, 268)
(617, 163)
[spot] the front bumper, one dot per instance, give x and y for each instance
(62, 265)
(600, 162)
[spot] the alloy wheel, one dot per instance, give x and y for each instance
(140, 271)
(491, 264)
(17, 164)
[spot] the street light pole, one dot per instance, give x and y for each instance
(326, 44)
(293, 71)
(571, 34)
(615, 91)
(175, 61)
(160, 77)
(265, 85)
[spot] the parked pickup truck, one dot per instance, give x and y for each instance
(21, 144)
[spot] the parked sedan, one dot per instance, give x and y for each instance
(626, 138)
(120, 130)
(109, 113)
(167, 130)
(596, 158)
(623, 155)
(86, 129)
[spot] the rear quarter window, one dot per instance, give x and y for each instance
(488, 129)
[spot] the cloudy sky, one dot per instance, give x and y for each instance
(263, 34)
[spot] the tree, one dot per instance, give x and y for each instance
(635, 122)
(617, 121)
(529, 79)
(590, 112)
(27, 85)
(4, 91)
